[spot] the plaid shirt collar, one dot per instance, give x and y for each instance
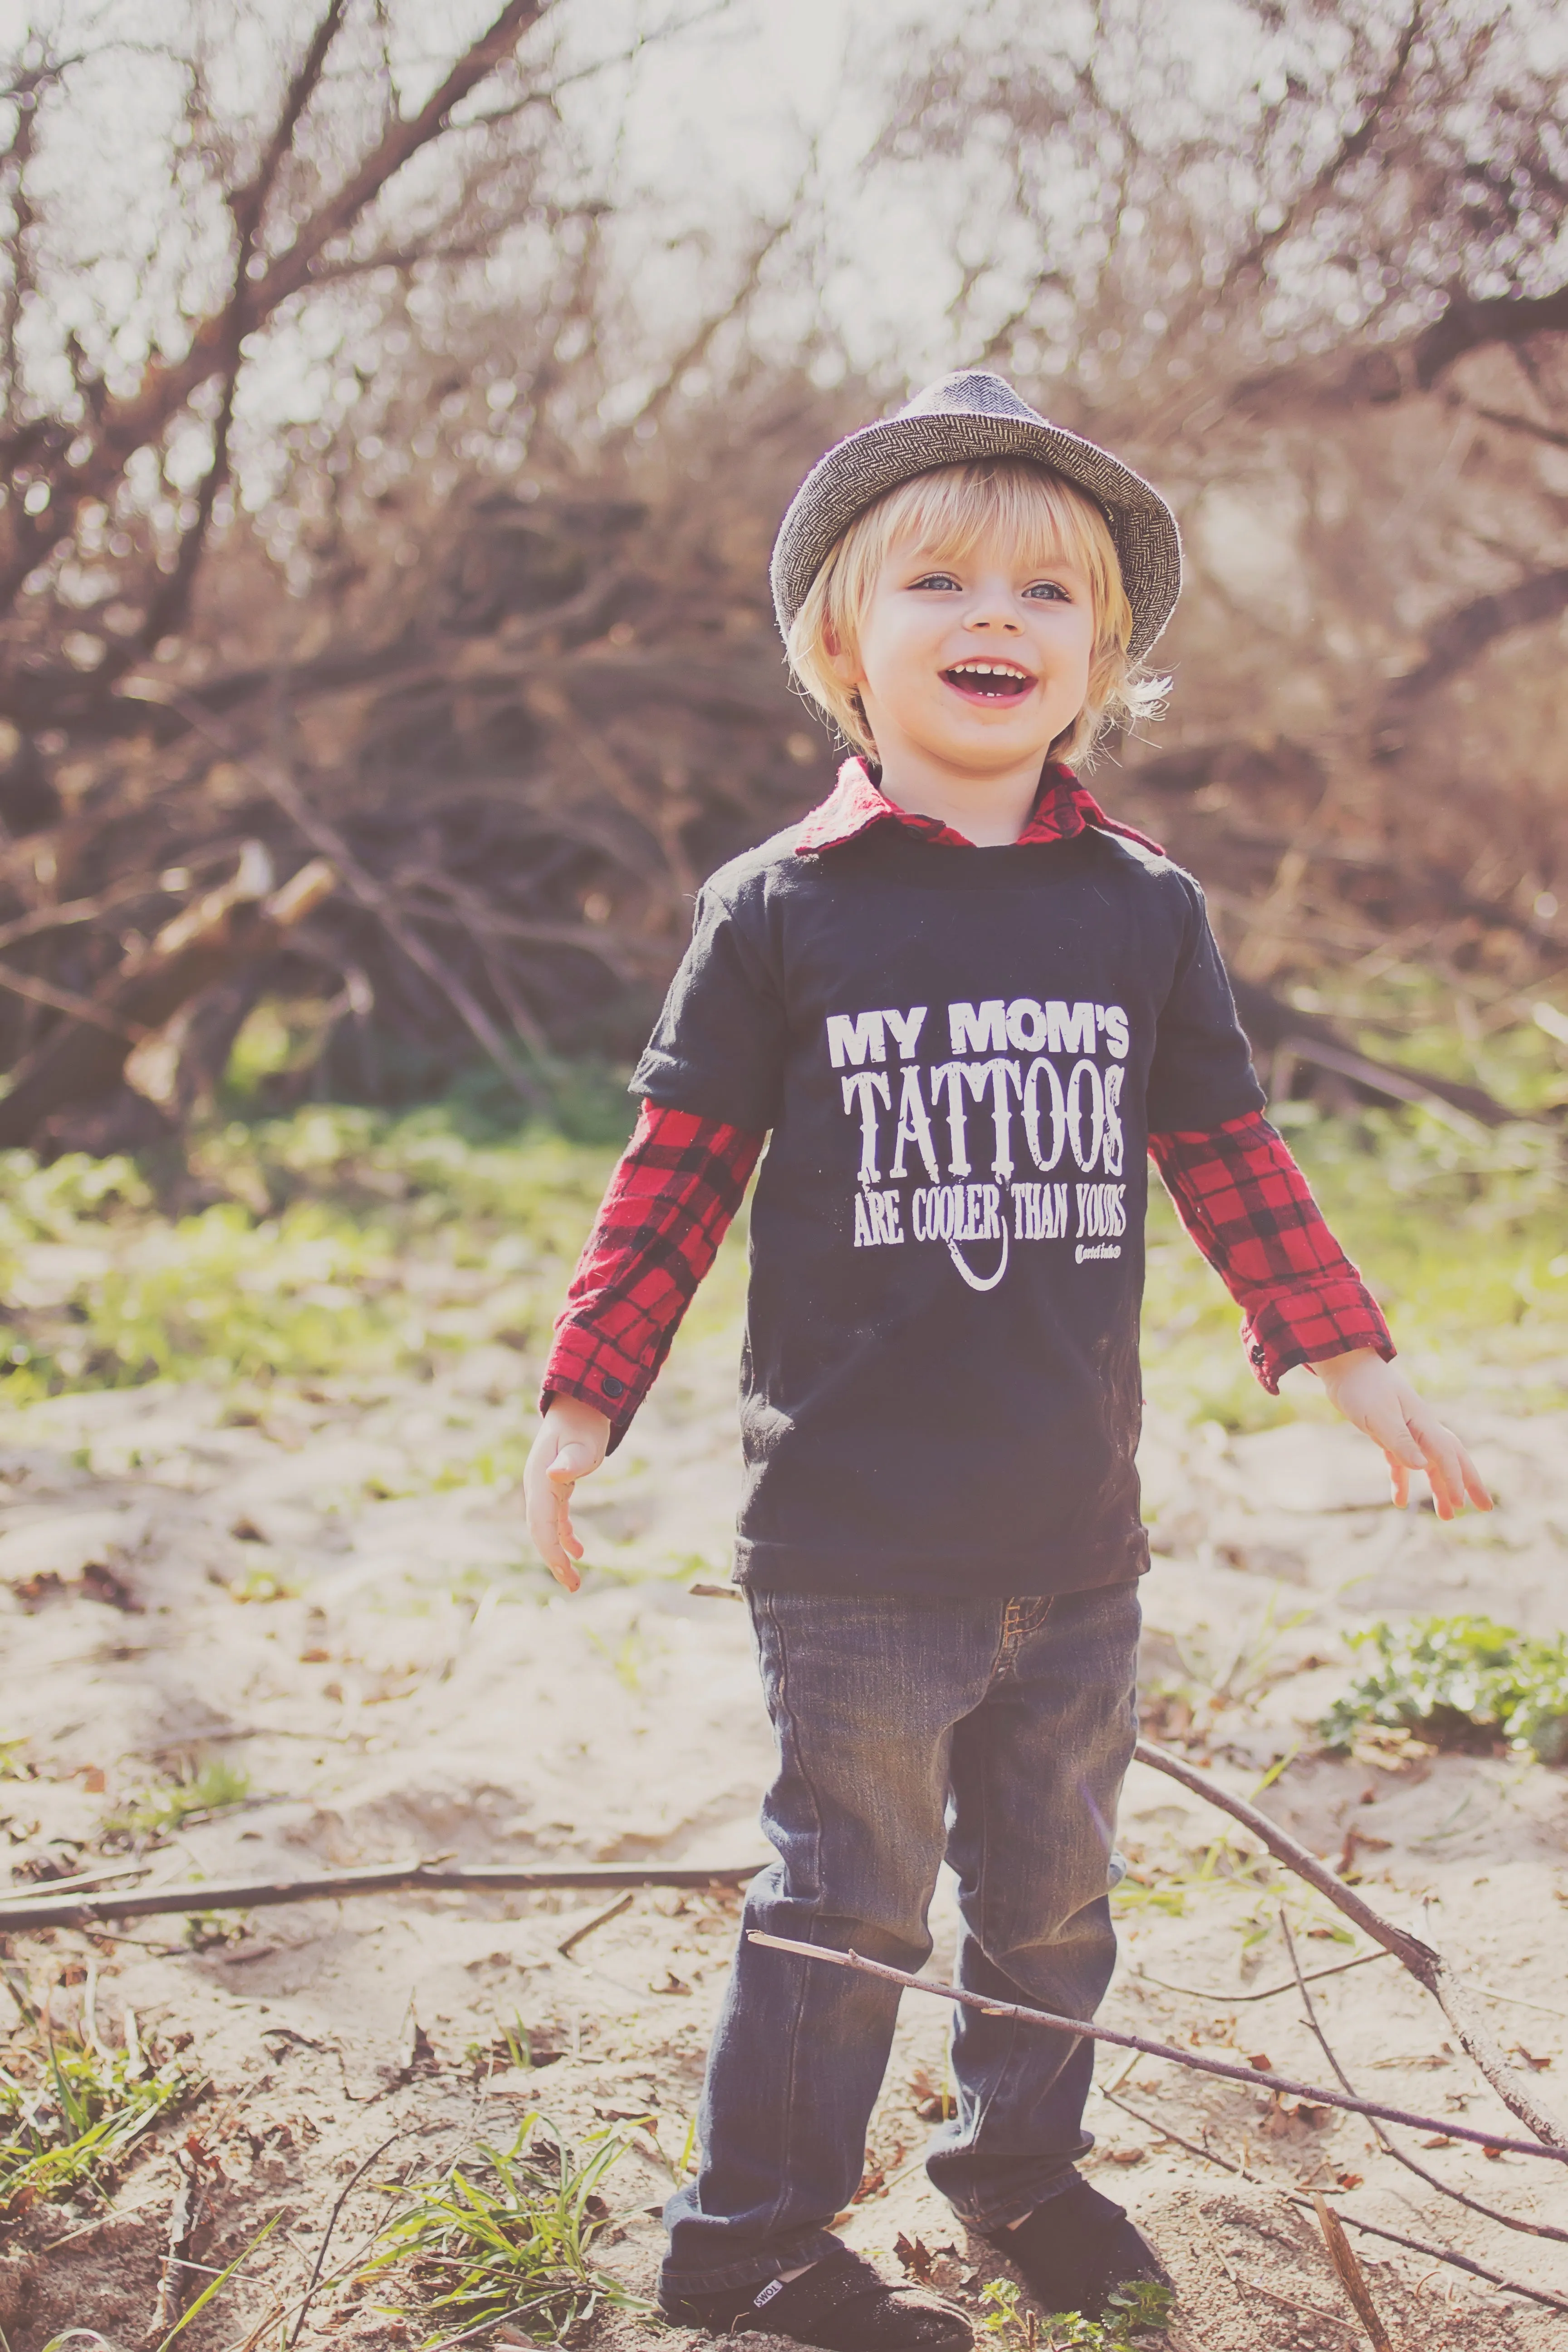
(1062, 810)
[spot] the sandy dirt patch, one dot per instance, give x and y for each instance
(329, 1597)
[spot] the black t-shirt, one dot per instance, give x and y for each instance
(960, 1054)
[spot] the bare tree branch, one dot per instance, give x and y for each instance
(249, 204)
(128, 424)
(1469, 325)
(1463, 636)
(1351, 149)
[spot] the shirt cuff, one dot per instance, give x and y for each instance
(1307, 1326)
(586, 1365)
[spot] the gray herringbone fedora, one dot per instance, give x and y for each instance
(964, 416)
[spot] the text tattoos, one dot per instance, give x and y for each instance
(1020, 1096)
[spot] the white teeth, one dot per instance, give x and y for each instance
(987, 669)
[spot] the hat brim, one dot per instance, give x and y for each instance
(863, 468)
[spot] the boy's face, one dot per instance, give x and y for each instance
(976, 664)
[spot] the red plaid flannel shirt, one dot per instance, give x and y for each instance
(680, 1180)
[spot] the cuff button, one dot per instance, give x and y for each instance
(611, 1386)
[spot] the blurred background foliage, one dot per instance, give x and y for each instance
(397, 407)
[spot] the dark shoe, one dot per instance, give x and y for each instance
(840, 2304)
(1076, 2249)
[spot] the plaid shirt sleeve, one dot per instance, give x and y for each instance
(668, 1207)
(1247, 1204)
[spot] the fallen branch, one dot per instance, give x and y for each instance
(324, 838)
(66, 1000)
(1425, 1965)
(262, 1894)
(1367, 2229)
(1254, 2077)
(1391, 2147)
(569, 1944)
(1349, 2275)
(200, 947)
(78, 1880)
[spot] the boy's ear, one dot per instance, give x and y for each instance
(846, 668)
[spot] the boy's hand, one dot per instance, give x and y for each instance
(571, 1442)
(1379, 1399)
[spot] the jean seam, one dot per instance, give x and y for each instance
(788, 1734)
(982, 1935)
(983, 1938)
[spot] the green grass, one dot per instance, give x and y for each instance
(1455, 1680)
(351, 1244)
(1140, 2307)
(70, 2110)
(155, 1812)
(504, 2235)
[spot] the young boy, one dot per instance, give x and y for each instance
(963, 1005)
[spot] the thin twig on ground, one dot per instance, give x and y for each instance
(349, 2185)
(1389, 2146)
(1255, 2078)
(1270, 1992)
(1349, 2275)
(1428, 1966)
(1293, 2302)
(262, 1894)
(569, 1944)
(1458, 2262)
(184, 2219)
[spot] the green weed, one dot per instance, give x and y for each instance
(505, 2235)
(1138, 2307)
(1222, 1863)
(71, 2109)
(1453, 1680)
(263, 1584)
(168, 1804)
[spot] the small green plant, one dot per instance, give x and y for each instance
(69, 2109)
(200, 1789)
(1138, 2307)
(504, 2234)
(211, 1931)
(263, 1584)
(1458, 1680)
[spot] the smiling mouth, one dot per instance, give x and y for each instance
(989, 681)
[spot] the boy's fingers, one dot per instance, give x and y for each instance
(1460, 1479)
(1476, 1486)
(1389, 1428)
(555, 1560)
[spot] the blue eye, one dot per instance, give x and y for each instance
(935, 580)
(1049, 589)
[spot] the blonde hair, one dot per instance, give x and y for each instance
(947, 512)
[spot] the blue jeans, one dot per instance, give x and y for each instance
(993, 1732)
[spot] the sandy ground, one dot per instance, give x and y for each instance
(414, 1688)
